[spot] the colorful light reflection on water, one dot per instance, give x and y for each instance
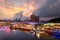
(56, 34)
(8, 31)
(5, 28)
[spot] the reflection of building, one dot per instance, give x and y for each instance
(34, 18)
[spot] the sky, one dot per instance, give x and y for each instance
(45, 9)
(50, 10)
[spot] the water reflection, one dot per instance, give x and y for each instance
(7, 34)
(14, 35)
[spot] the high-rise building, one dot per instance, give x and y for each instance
(34, 18)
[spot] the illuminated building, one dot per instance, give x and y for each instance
(34, 18)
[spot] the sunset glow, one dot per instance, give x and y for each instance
(9, 11)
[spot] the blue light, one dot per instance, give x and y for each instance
(56, 34)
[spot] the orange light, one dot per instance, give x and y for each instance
(26, 8)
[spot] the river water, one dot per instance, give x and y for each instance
(7, 34)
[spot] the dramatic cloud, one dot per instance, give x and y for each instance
(9, 8)
(50, 10)
(46, 9)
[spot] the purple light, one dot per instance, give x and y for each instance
(32, 23)
(4, 27)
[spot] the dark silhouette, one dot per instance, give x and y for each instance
(34, 18)
(56, 20)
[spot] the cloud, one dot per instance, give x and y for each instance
(43, 8)
(2, 0)
(9, 8)
(50, 9)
